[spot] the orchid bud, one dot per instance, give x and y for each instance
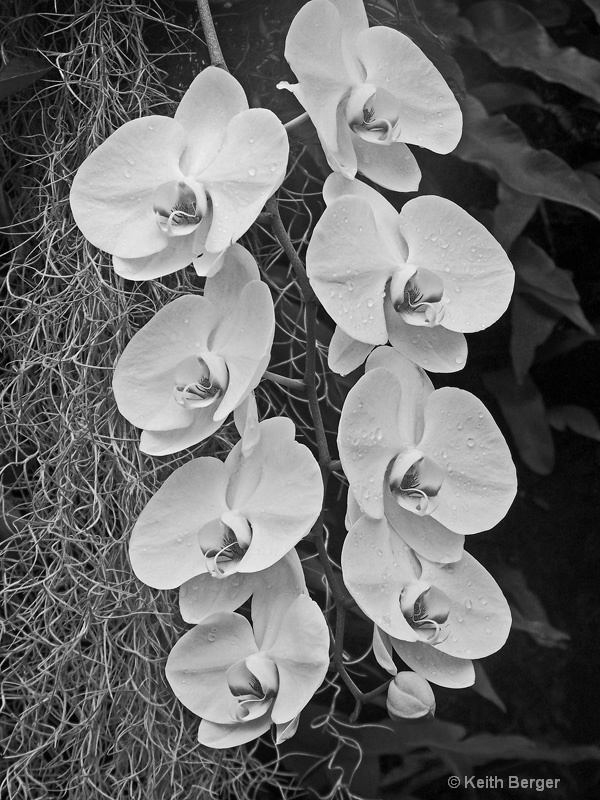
(410, 697)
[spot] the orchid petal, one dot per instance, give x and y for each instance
(435, 349)
(375, 572)
(204, 595)
(225, 287)
(424, 535)
(164, 548)
(214, 97)
(481, 483)
(247, 170)
(480, 617)
(345, 353)
(392, 166)
(434, 665)
(286, 730)
(180, 252)
(354, 21)
(111, 196)
(145, 373)
(478, 276)
(197, 664)
(276, 588)
(368, 437)
(301, 653)
(163, 443)
(353, 511)
(429, 115)
(415, 389)
(386, 216)
(208, 264)
(279, 490)
(245, 417)
(382, 650)
(281, 427)
(244, 340)
(212, 734)
(348, 268)
(313, 49)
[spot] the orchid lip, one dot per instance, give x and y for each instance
(415, 481)
(251, 697)
(372, 113)
(196, 384)
(419, 299)
(178, 207)
(426, 608)
(223, 560)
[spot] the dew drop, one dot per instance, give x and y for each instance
(252, 171)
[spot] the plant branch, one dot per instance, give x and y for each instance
(210, 34)
(272, 209)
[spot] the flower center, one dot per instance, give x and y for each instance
(373, 114)
(426, 608)
(415, 481)
(200, 381)
(253, 683)
(419, 299)
(223, 560)
(178, 208)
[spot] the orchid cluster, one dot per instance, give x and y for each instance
(426, 467)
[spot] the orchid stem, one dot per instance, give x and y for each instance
(341, 597)
(272, 209)
(210, 34)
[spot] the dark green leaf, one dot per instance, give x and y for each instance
(595, 6)
(523, 409)
(497, 96)
(514, 38)
(484, 687)
(578, 419)
(20, 73)
(512, 214)
(499, 145)
(550, 13)
(539, 277)
(527, 609)
(531, 326)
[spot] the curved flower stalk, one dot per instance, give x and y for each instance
(198, 358)
(241, 680)
(241, 515)
(420, 279)
(433, 462)
(368, 91)
(161, 193)
(436, 616)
